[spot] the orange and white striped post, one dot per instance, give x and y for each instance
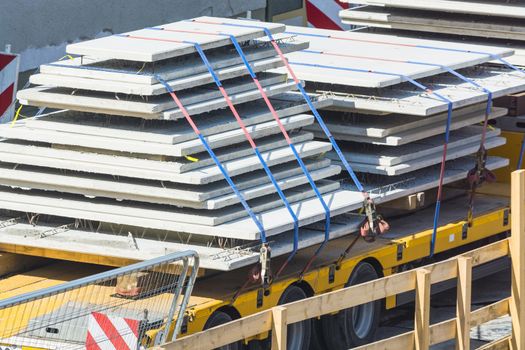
(325, 14)
(9, 65)
(112, 333)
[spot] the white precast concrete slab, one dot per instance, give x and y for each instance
(177, 68)
(215, 193)
(159, 193)
(417, 133)
(458, 151)
(486, 8)
(382, 125)
(428, 21)
(197, 100)
(388, 188)
(154, 89)
(370, 52)
(346, 224)
(389, 156)
(517, 59)
(162, 44)
(22, 131)
(197, 161)
(206, 218)
(171, 132)
(274, 221)
(236, 151)
(212, 258)
(408, 99)
(149, 169)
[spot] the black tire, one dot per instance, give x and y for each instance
(317, 338)
(218, 318)
(298, 334)
(354, 326)
(258, 345)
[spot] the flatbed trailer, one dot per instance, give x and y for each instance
(219, 297)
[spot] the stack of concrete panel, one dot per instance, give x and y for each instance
(499, 23)
(390, 100)
(122, 163)
(120, 152)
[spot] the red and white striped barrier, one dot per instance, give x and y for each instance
(9, 64)
(325, 14)
(112, 333)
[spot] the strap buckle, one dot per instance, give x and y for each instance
(265, 255)
(373, 225)
(480, 174)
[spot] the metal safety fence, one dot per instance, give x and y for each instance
(132, 307)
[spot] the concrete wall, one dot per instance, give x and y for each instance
(40, 29)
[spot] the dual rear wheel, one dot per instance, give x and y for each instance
(348, 328)
(351, 327)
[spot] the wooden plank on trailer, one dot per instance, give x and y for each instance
(517, 243)
(279, 328)
(463, 305)
(422, 314)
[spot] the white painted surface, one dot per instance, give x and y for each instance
(150, 169)
(407, 167)
(169, 70)
(23, 132)
(485, 8)
(415, 134)
(367, 51)
(168, 132)
(158, 107)
(119, 246)
(171, 44)
(390, 156)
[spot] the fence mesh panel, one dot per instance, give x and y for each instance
(131, 307)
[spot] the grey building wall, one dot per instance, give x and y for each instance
(40, 29)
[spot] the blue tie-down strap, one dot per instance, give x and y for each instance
(218, 82)
(221, 168)
(447, 129)
(369, 229)
(294, 150)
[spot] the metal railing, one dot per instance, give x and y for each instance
(132, 307)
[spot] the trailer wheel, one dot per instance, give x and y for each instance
(354, 326)
(218, 318)
(298, 334)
